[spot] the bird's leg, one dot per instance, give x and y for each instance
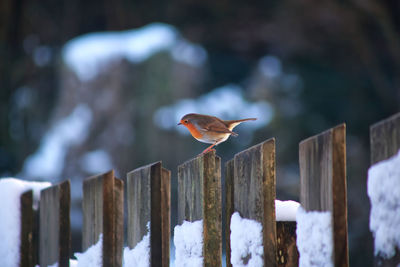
(210, 148)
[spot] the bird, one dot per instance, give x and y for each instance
(210, 129)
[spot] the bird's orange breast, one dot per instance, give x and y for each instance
(194, 131)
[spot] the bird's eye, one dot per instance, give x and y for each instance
(185, 121)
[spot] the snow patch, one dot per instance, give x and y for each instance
(87, 55)
(270, 66)
(246, 242)
(140, 254)
(286, 210)
(188, 240)
(314, 238)
(11, 190)
(93, 256)
(48, 161)
(96, 161)
(384, 194)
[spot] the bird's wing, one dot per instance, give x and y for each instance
(217, 126)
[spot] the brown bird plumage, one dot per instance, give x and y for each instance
(210, 129)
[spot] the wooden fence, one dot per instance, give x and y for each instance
(250, 190)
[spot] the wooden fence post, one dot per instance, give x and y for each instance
(199, 198)
(149, 198)
(250, 187)
(103, 213)
(323, 183)
(27, 246)
(385, 143)
(54, 224)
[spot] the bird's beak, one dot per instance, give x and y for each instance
(179, 123)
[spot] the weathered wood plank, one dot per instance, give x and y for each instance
(385, 138)
(229, 206)
(165, 216)
(212, 211)
(119, 220)
(54, 234)
(254, 192)
(149, 201)
(199, 197)
(385, 143)
(102, 214)
(138, 196)
(287, 254)
(27, 225)
(190, 185)
(323, 183)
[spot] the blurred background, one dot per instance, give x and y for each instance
(87, 86)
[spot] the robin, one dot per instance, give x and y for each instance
(210, 129)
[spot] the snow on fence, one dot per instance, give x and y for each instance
(54, 224)
(148, 201)
(384, 190)
(323, 197)
(103, 216)
(250, 186)
(257, 231)
(199, 202)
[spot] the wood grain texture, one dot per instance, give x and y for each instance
(27, 225)
(54, 234)
(118, 220)
(287, 254)
(102, 214)
(229, 207)
(199, 197)
(190, 196)
(385, 143)
(138, 197)
(149, 201)
(385, 138)
(212, 211)
(165, 216)
(254, 192)
(323, 183)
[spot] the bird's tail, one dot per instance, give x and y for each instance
(242, 120)
(233, 123)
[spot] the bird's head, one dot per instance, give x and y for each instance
(186, 120)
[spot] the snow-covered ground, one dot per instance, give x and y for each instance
(93, 256)
(314, 238)
(246, 235)
(188, 241)
(140, 254)
(11, 190)
(246, 242)
(384, 194)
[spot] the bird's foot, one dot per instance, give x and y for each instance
(206, 151)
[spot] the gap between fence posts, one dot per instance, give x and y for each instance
(323, 183)
(287, 254)
(148, 200)
(103, 214)
(250, 190)
(385, 143)
(199, 198)
(54, 225)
